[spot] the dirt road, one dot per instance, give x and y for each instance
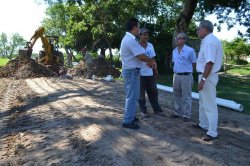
(51, 121)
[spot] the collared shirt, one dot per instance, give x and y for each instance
(129, 50)
(211, 51)
(183, 61)
(87, 58)
(150, 52)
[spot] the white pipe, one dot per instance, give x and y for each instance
(222, 102)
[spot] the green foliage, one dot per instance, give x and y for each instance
(78, 57)
(10, 46)
(100, 24)
(224, 9)
(236, 51)
(3, 61)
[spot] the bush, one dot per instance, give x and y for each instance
(241, 62)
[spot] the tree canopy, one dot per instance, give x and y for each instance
(100, 24)
(10, 46)
(236, 51)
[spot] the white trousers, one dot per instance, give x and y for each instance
(208, 111)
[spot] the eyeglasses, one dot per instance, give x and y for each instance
(178, 38)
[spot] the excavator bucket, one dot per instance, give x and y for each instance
(25, 52)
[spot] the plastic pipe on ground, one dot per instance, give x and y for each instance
(221, 102)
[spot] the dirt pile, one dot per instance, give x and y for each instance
(23, 67)
(100, 68)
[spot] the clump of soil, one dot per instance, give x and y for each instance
(25, 67)
(100, 68)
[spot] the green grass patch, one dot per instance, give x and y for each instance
(230, 87)
(239, 70)
(3, 61)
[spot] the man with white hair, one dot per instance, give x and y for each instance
(184, 59)
(208, 65)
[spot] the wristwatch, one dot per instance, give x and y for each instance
(203, 78)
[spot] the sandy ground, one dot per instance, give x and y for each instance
(51, 121)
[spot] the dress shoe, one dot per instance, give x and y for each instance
(160, 113)
(174, 116)
(208, 138)
(185, 119)
(136, 119)
(130, 126)
(197, 126)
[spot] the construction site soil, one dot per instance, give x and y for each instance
(55, 121)
(23, 67)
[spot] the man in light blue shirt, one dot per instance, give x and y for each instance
(132, 56)
(184, 59)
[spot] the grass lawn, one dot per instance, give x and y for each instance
(239, 70)
(230, 87)
(3, 61)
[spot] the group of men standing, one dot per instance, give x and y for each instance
(139, 69)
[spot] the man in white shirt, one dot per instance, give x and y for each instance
(208, 64)
(184, 59)
(148, 82)
(132, 56)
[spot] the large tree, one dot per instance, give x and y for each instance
(100, 24)
(230, 12)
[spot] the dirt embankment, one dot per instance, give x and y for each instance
(24, 67)
(52, 121)
(100, 68)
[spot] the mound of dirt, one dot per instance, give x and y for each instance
(24, 67)
(100, 68)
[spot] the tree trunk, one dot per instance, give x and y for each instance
(184, 20)
(109, 44)
(186, 15)
(103, 55)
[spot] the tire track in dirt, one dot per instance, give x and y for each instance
(106, 139)
(172, 148)
(177, 154)
(79, 123)
(9, 95)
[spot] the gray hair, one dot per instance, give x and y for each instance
(183, 35)
(207, 25)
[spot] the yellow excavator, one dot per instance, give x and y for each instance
(49, 55)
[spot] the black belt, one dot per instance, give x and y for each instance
(182, 73)
(138, 68)
(202, 73)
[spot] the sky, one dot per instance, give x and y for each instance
(25, 16)
(22, 17)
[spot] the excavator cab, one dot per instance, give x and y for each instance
(52, 49)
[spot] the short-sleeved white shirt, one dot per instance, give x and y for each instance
(150, 52)
(210, 51)
(183, 61)
(129, 50)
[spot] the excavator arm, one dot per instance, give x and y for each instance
(27, 51)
